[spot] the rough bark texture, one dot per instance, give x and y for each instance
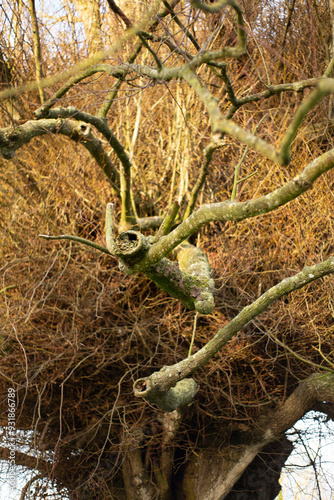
(193, 288)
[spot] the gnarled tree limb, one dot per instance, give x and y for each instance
(160, 383)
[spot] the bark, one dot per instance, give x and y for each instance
(139, 484)
(152, 222)
(260, 481)
(136, 478)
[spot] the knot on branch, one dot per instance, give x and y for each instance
(7, 153)
(182, 394)
(83, 130)
(193, 285)
(41, 113)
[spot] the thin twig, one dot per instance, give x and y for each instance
(83, 241)
(193, 335)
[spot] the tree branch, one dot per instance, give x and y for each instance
(77, 239)
(37, 49)
(160, 383)
(13, 139)
(127, 215)
(116, 71)
(221, 125)
(100, 125)
(239, 211)
(217, 6)
(318, 387)
(167, 222)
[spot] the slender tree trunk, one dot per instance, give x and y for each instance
(37, 49)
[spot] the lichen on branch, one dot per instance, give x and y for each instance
(159, 383)
(13, 139)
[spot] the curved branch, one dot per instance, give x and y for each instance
(13, 139)
(239, 211)
(221, 125)
(325, 87)
(277, 89)
(218, 481)
(316, 388)
(161, 382)
(127, 216)
(100, 125)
